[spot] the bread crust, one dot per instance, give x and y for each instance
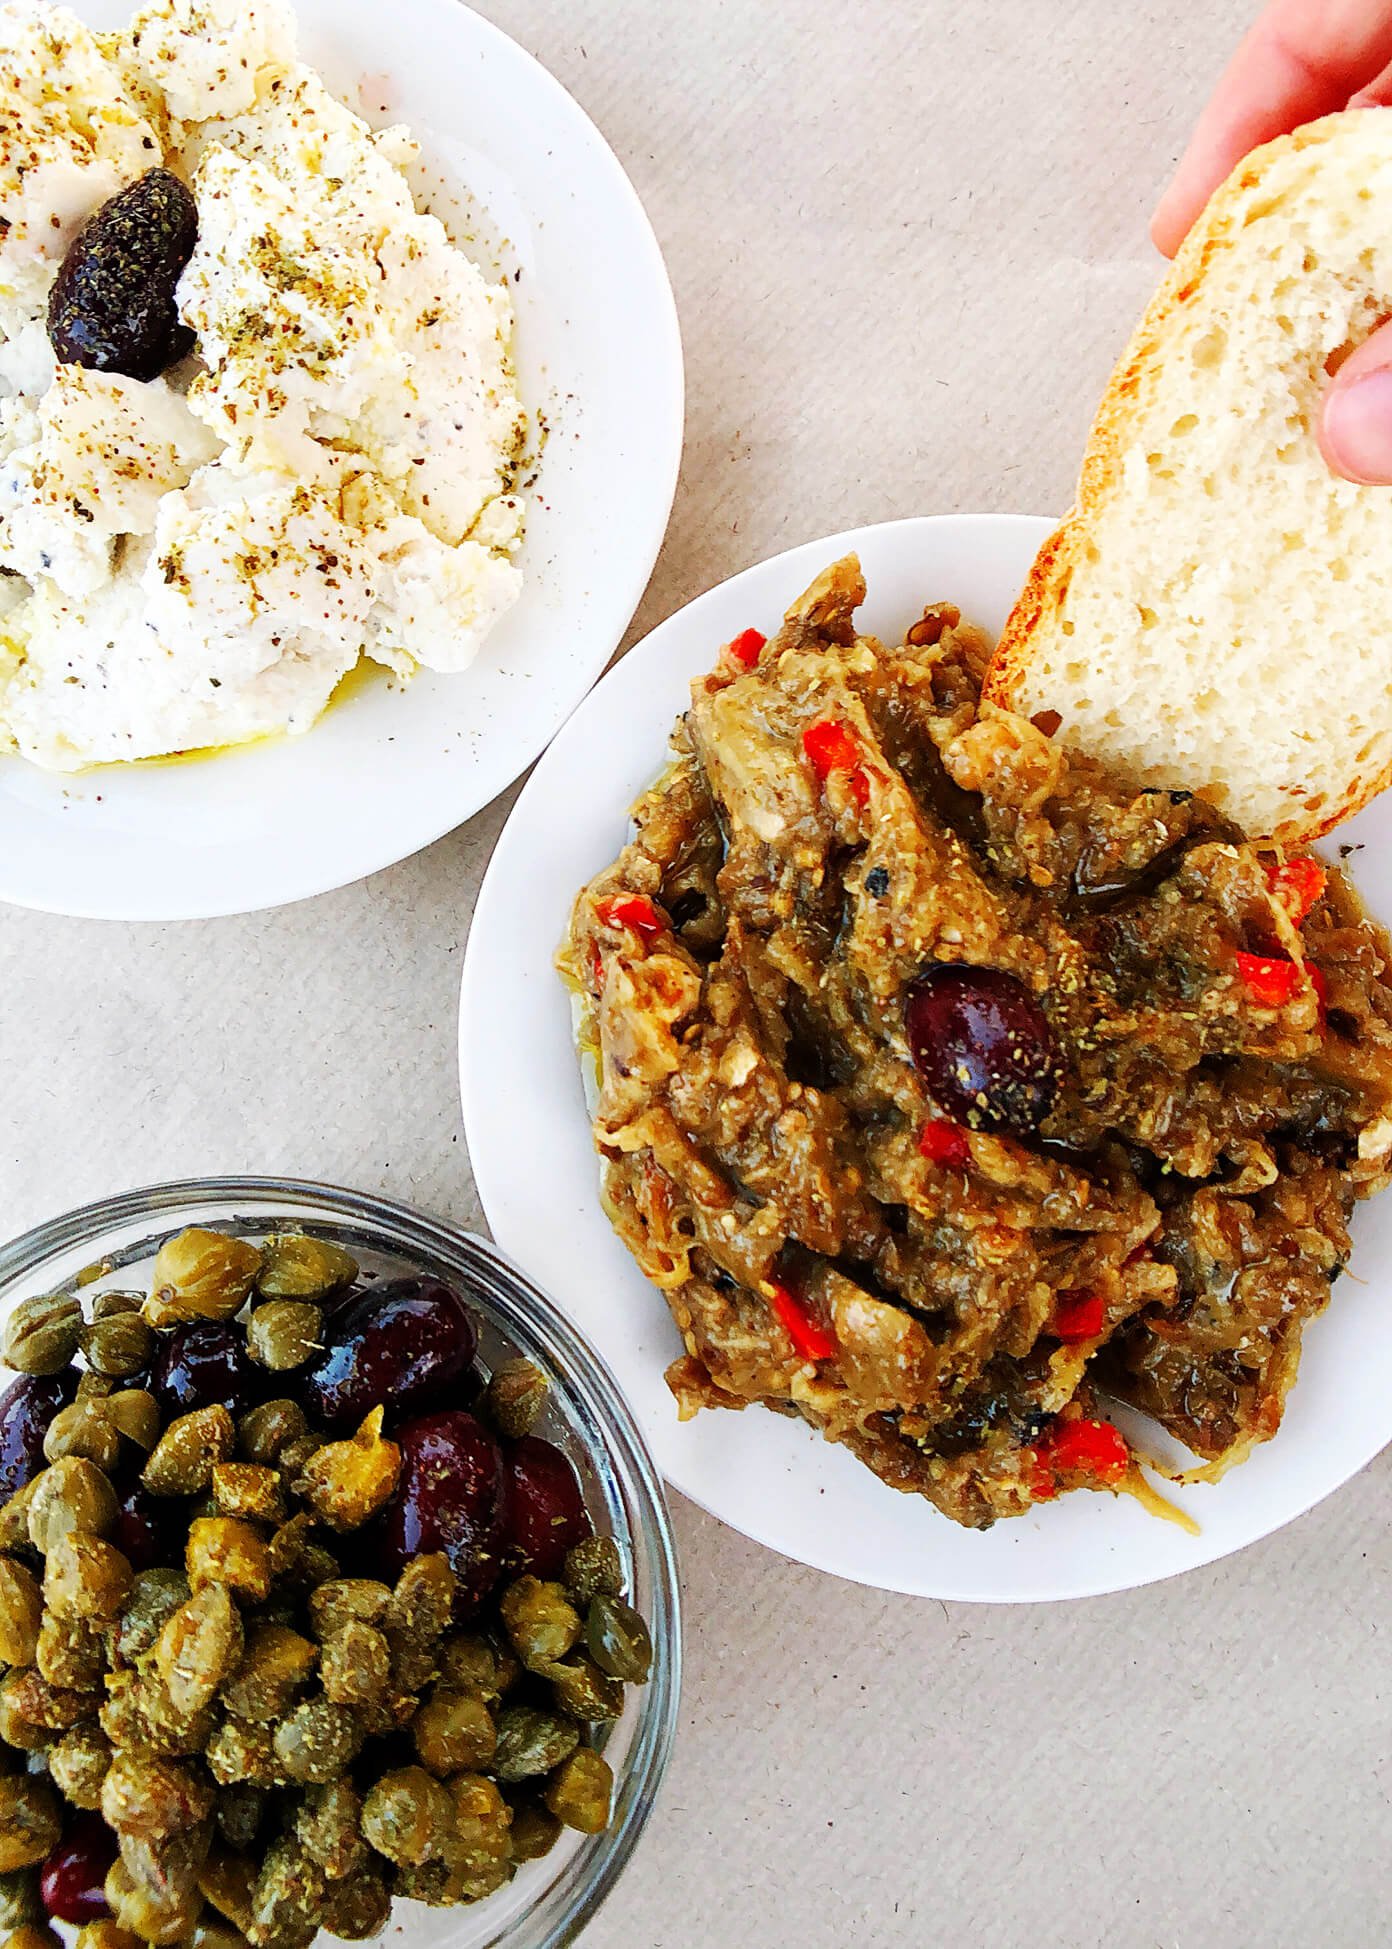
(1040, 603)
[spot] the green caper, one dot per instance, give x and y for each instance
(583, 1691)
(343, 1599)
(514, 1398)
(186, 1453)
(248, 1489)
(468, 1663)
(78, 1763)
(239, 1752)
(84, 1428)
(20, 1900)
(21, 1613)
(453, 1732)
(328, 1825)
(541, 1621)
(618, 1640)
(227, 1881)
(136, 1415)
(532, 1742)
(423, 1601)
(405, 1813)
(85, 1577)
(117, 1346)
(594, 1568)
(199, 1647)
(294, 1266)
(289, 1890)
(153, 1797)
(200, 1275)
(239, 1813)
(358, 1907)
(95, 1387)
(276, 1664)
(106, 1934)
(265, 1430)
(41, 1334)
(150, 1914)
(33, 1935)
(580, 1791)
(110, 1306)
(284, 1333)
(30, 1697)
(30, 1821)
(534, 1832)
(71, 1651)
(355, 1665)
(318, 1742)
(155, 1596)
(71, 1494)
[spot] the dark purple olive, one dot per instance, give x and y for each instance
(71, 1879)
(26, 1408)
(449, 1496)
(202, 1365)
(982, 1045)
(408, 1344)
(545, 1508)
(112, 304)
(144, 1530)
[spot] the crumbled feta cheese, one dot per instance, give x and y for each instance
(199, 560)
(104, 451)
(212, 57)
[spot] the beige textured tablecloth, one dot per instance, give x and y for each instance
(907, 240)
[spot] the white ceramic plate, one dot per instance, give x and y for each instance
(529, 1139)
(532, 190)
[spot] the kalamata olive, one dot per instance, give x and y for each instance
(545, 1508)
(27, 1406)
(201, 1365)
(70, 1881)
(144, 1531)
(982, 1045)
(112, 304)
(449, 1496)
(407, 1344)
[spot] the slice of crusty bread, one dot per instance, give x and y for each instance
(1217, 610)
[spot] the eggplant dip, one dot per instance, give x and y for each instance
(950, 1087)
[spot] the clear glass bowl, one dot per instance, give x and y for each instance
(550, 1901)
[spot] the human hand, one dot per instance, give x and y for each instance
(1303, 59)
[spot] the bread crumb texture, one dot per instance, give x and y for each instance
(1217, 611)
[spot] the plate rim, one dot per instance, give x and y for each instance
(1098, 1583)
(665, 439)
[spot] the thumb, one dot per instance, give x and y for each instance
(1356, 424)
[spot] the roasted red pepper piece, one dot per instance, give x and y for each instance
(944, 1143)
(1269, 979)
(1092, 1448)
(1297, 885)
(746, 647)
(633, 910)
(830, 747)
(809, 1341)
(1078, 1316)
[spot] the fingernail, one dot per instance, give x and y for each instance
(1356, 431)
